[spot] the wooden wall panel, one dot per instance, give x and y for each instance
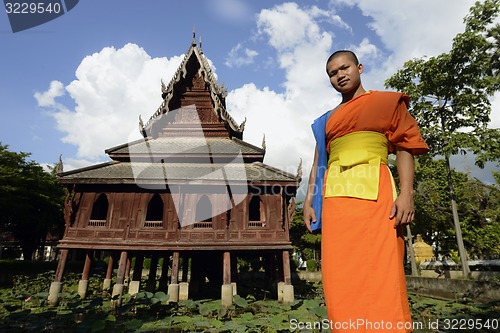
(83, 215)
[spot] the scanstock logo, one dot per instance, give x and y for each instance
(26, 14)
(162, 165)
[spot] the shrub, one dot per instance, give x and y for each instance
(312, 265)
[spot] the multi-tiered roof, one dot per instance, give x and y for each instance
(189, 135)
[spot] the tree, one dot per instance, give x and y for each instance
(450, 94)
(481, 217)
(305, 243)
(478, 209)
(31, 200)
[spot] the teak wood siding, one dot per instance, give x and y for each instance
(127, 214)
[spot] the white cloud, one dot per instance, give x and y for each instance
(287, 25)
(413, 28)
(495, 112)
(238, 56)
(112, 88)
(408, 29)
(273, 115)
(366, 49)
(47, 98)
(76, 163)
(301, 49)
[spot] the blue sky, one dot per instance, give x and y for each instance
(77, 85)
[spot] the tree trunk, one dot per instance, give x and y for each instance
(456, 221)
(414, 269)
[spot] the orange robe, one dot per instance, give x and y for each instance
(362, 254)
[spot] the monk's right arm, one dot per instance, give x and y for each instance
(309, 214)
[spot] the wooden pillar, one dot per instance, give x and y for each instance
(227, 288)
(287, 287)
(56, 286)
(87, 265)
(151, 283)
(234, 273)
(175, 268)
(163, 282)
(185, 268)
(226, 277)
(120, 277)
(184, 284)
(139, 262)
(109, 273)
(127, 271)
(61, 265)
(135, 284)
(122, 265)
(287, 277)
(173, 287)
(83, 284)
(270, 277)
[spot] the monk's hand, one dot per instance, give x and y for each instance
(309, 216)
(402, 209)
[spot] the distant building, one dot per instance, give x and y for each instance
(10, 248)
(191, 191)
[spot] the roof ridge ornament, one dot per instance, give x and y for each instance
(163, 88)
(142, 130)
(59, 166)
(263, 141)
(299, 170)
(242, 125)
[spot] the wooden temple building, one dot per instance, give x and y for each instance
(190, 194)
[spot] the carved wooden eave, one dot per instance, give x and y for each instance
(218, 94)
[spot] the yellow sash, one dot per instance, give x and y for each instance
(354, 165)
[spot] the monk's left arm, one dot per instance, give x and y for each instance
(403, 208)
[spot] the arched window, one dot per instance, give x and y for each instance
(154, 214)
(203, 213)
(256, 212)
(99, 212)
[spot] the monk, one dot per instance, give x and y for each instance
(353, 200)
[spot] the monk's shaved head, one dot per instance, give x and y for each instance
(348, 53)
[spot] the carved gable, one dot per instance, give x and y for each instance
(192, 102)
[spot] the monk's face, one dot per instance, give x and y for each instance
(344, 73)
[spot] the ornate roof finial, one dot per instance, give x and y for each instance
(200, 42)
(142, 130)
(264, 141)
(163, 87)
(242, 125)
(299, 170)
(194, 36)
(223, 90)
(59, 165)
